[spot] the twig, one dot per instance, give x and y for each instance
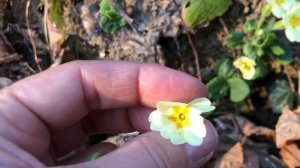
(31, 36)
(195, 53)
(288, 75)
(123, 14)
(224, 25)
(250, 104)
(59, 59)
(45, 20)
(30, 69)
(7, 42)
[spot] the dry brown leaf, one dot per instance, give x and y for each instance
(233, 158)
(288, 127)
(248, 128)
(290, 154)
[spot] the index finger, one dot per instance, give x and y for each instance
(62, 96)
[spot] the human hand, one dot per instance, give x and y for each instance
(46, 116)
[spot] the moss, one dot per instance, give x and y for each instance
(111, 20)
(56, 13)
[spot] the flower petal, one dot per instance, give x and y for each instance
(248, 74)
(197, 125)
(200, 102)
(202, 109)
(290, 34)
(192, 138)
(173, 134)
(278, 12)
(164, 107)
(201, 105)
(158, 121)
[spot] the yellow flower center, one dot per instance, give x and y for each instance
(246, 66)
(180, 116)
(295, 21)
(279, 2)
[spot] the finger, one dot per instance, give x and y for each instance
(151, 150)
(99, 150)
(105, 122)
(60, 97)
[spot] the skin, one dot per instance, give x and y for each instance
(45, 116)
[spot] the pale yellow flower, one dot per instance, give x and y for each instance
(246, 65)
(291, 22)
(181, 122)
(280, 7)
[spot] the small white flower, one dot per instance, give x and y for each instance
(246, 65)
(280, 7)
(181, 122)
(291, 22)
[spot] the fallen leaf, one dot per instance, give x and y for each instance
(233, 158)
(290, 154)
(288, 127)
(248, 128)
(257, 141)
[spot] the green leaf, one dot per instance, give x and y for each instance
(224, 68)
(239, 89)
(217, 88)
(280, 95)
(235, 39)
(249, 26)
(261, 69)
(277, 50)
(196, 12)
(263, 41)
(285, 56)
(266, 11)
(249, 50)
(278, 25)
(270, 24)
(259, 52)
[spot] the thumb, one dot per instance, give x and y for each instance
(151, 150)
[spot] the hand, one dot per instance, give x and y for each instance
(46, 116)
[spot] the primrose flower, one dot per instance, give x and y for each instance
(181, 122)
(279, 7)
(291, 22)
(247, 66)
